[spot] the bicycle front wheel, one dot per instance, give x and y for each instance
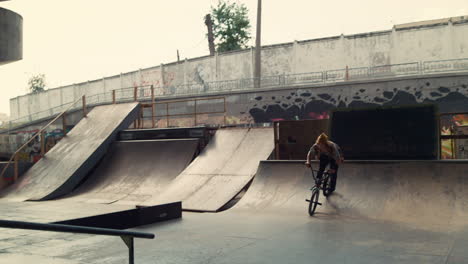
(313, 201)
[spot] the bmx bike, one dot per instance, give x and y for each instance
(323, 184)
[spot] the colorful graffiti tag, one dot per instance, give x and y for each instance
(454, 125)
(32, 152)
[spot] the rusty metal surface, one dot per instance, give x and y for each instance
(65, 165)
(136, 170)
(221, 171)
(296, 137)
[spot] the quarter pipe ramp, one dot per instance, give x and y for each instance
(221, 171)
(67, 163)
(420, 193)
(135, 171)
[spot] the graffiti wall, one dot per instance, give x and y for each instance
(454, 125)
(450, 94)
(32, 152)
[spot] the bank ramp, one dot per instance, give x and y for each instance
(135, 171)
(221, 171)
(420, 193)
(68, 162)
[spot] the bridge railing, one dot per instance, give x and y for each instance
(143, 93)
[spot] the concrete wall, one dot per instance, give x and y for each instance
(12, 140)
(11, 36)
(448, 91)
(437, 40)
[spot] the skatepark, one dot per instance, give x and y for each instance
(239, 204)
(149, 167)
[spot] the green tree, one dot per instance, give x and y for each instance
(231, 25)
(37, 83)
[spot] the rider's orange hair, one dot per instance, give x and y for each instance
(323, 138)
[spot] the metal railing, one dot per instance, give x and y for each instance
(126, 236)
(445, 65)
(143, 93)
(164, 112)
(41, 133)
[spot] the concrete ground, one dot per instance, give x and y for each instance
(237, 237)
(382, 212)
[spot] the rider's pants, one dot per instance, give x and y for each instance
(324, 161)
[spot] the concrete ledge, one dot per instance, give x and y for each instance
(130, 218)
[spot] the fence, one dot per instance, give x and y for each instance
(144, 93)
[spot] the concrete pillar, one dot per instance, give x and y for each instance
(140, 78)
(61, 97)
(87, 91)
(121, 81)
(216, 63)
(49, 106)
(393, 52)
(185, 72)
(29, 105)
(343, 53)
(161, 77)
(76, 92)
(252, 62)
(294, 60)
(450, 43)
(18, 108)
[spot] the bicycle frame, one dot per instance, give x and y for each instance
(319, 185)
(325, 176)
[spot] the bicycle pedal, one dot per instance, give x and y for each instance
(307, 200)
(319, 203)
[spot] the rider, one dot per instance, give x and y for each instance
(327, 152)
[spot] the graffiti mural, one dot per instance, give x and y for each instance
(449, 93)
(32, 152)
(454, 125)
(52, 138)
(315, 103)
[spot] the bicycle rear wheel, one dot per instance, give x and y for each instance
(326, 186)
(313, 201)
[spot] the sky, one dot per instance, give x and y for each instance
(75, 41)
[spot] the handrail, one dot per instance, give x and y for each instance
(126, 236)
(39, 133)
(72, 229)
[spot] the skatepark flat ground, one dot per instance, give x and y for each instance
(245, 238)
(382, 212)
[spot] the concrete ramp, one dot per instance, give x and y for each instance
(135, 171)
(424, 194)
(65, 165)
(221, 171)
